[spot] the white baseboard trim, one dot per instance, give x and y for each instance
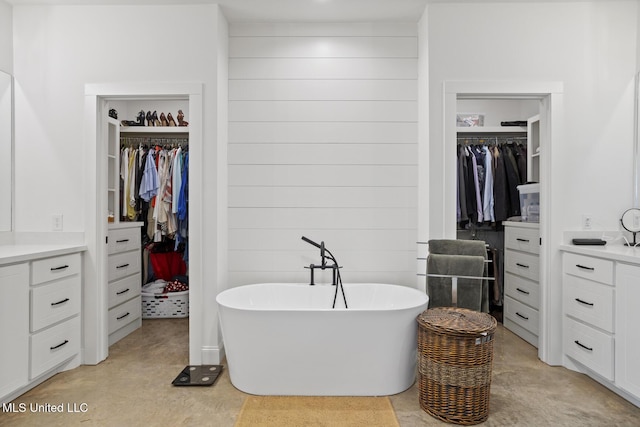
(212, 355)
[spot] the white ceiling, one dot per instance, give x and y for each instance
(284, 10)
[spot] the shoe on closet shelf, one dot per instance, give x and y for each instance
(113, 114)
(149, 119)
(180, 118)
(170, 120)
(154, 118)
(163, 120)
(141, 117)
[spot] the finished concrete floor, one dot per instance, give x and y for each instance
(133, 388)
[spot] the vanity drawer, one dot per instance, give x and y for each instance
(522, 239)
(589, 301)
(124, 264)
(54, 346)
(522, 264)
(123, 240)
(596, 269)
(123, 290)
(54, 302)
(124, 314)
(45, 270)
(592, 348)
(521, 314)
(523, 290)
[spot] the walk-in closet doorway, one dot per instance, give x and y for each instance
(98, 99)
(549, 96)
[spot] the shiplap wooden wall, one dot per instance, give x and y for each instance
(322, 143)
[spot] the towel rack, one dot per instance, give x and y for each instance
(455, 276)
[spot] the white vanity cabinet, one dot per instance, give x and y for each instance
(601, 288)
(40, 316)
(14, 327)
(521, 280)
(124, 280)
(627, 348)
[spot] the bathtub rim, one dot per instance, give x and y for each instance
(411, 306)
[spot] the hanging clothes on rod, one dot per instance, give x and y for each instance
(489, 169)
(153, 176)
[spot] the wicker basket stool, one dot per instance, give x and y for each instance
(455, 351)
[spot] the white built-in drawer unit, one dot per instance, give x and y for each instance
(522, 279)
(589, 298)
(55, 295)
(40, 317)
(124, 280)
(601, 291)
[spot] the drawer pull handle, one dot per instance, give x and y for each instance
(123, 316)
(522, 291)
(520, 315)
(123, 265)
(59, 302)
(523, 240)
(583, 346)
(59, 345)
(584, 302)
(122, 292)
(122, 240)
(62, 267)
(522, 265)
(584, 267)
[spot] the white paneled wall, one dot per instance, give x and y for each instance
(322, 143)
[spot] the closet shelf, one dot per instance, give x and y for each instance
(154, 129)
(491, 129)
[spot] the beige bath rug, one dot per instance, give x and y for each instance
(314, 411)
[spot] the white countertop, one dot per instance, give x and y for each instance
(522, 224)
(615, 251)
(10, 254)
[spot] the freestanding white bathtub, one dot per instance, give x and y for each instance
(285, 339)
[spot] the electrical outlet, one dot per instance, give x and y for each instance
(56, 222)
(586, 221)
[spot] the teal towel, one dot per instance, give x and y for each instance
(469, 291)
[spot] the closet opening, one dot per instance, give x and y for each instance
(140, 255)
(539, 104)
(497, 152)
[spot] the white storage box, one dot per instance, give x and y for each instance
(469, 120)
(529, 202)
(169, 305)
